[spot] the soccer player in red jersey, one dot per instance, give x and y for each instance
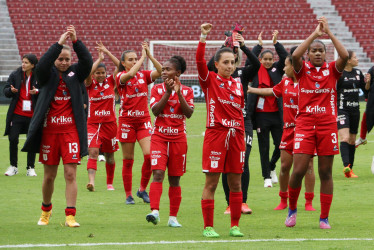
(58, 127)
(224, 145)
(171, 103)
(316, 119)
(101, 121)
(134, 119)
(288, 89)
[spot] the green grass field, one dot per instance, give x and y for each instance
(106, 222)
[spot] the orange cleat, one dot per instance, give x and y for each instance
(353, 174)
(227, 211)
(246, 209)
(347, 172)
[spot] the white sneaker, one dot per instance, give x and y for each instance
(360, 141)
(173, 222)
(267, 183)
(101, 158)
(372, 166)
(12, 170)
(31, 172)
(274, 178)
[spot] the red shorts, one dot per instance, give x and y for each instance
(287, 139)
(223, 151)
(64, 145)
(103, 136)
(320, 138)
(130, 132)
(169, 154)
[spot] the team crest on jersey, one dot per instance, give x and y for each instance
(238, 85)
(240, 72)
(229, 82)
(308, 72)
(106, 86)
(141, 74)
(185, 92)
(231, 97)
(159, 91)
(214, 164)
(273, 69)
(286, 83)
(358, 78)
(171, 109)
(71, 74)
(221, 85)
(136, 90)
(141, 81)
(102, 93)
(238, 92)
(95, 87)
(357, 72)
(345, 78)
(317, 85)
(64, 92)
(326, 72)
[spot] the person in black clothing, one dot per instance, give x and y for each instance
(243, 75)
(266, 111)
(58, 128)
(348, 87)
(22, 88)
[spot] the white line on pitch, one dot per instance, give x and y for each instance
(180, 242)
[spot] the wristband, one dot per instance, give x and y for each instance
(203, 36)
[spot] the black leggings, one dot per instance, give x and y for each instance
(268, 122)
(245, 175)
(19, 125)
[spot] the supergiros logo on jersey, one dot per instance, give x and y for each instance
(135, 113)
(61, 120)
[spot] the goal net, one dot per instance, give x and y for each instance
(163, 50)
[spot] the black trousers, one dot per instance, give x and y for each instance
(245, 175)
(268, 122)
(19, 125)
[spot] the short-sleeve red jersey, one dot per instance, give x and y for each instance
(102, 101)
(134, 96)
(289, 91)
(224, 97)
(317, 92)
(170, 124)
(60, 117)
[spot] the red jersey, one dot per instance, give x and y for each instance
(134, 96)
(317, 92)
(170, 124)
(102, 101)
(24, 104)
(289, 91)
(60, 117)
(224, 97)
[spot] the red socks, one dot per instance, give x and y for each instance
(207, 207)
(127, 176)
(293, 194)
(146, 173)
(236, 199)
(283, 204)
(155, 193)
(175, 197)
(364, 128)
(326, 200)
(110, 172)
(92, 164)
(46, 208)
(70, 211)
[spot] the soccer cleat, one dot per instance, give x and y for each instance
(210, 233)
(309, 206)
(281, 206)
(291, 218)
(173, 223)
(153, 217)
(130, 200)
(109, 187)
(274, 178)
(347, 172)
(227, 211)
(246, 209)
(324, 223)
(143, 195)
(70, 221)
(353, 174)
(360, 141)
(101, 158)
(31, 172)
(44, 218)
(90, 187)
(12, 170)
(235, 232)
(267, 183)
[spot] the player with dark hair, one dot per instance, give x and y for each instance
(316, 128)
(266, 111)
(22, 87)
(58, 128)
(349, 85)
(102, 121)
(134, 119)
(224, 146)
(171, 103)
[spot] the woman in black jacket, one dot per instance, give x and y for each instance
(22, 88)
(266, 112)
(243, 75)
(58, 128)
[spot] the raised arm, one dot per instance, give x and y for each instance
(200, 53)
(100, 46)
(156, 73)
(251, 69)
(281, 51)
(88, 80)
(132, 72)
